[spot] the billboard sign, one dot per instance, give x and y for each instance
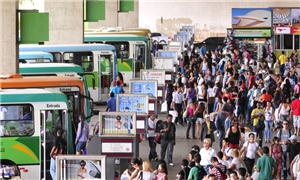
(251, 17)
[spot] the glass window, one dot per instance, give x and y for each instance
(297, 45)
(84, 59)
(16, 120)
(122, 48)
(288, 41)
(56, 57)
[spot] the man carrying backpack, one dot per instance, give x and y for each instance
(284, 134)
(197, 172)
(218, 169)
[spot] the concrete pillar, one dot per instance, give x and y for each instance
(65, 21)
(113, 18)
(8, 54)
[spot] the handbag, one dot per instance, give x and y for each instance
(164, 107)
(157, 138)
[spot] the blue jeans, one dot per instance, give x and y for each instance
(268, 129)
(53, 168)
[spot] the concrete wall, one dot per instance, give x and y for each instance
(8, 60)
(113, 18)
(65, 21)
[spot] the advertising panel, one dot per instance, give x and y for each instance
(250, 33)
(80, 167)
(132, 103)
(143, 87)
(282, 16)
(251, 17)
(295, 17)
(121, 123)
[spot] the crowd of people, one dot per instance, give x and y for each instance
(249, 107)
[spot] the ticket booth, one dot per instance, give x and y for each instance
(116, 139)
(81, 167)
(146, 87)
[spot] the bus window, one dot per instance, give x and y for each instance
(56, 56)
(16, 120)
(84, 59)
(122, 48)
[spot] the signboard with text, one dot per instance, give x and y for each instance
(159, 75)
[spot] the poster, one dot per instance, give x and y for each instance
(251, 17)
(132, 103)
(281, 16)
(113, 124)
(144, 87)
(295, 13)
(158, 75)
(80, 167)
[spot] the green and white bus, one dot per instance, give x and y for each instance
(96, 91)
(29, 118)
(99, 62)
(133, 49)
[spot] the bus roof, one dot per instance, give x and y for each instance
(134, 32)
(35, 55)
(44, 68)
(41, 82)
(113, 37)
(67, 47)
(31, 95)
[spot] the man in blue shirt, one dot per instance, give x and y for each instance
(111, 103)
(118, 88)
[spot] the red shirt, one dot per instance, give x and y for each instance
(295, 106)
(266, 97)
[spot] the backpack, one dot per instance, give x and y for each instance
(201, 172)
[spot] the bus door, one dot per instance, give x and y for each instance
(139, 58)
(52, 121)
(105, 72)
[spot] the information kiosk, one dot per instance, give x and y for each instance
(116, 138)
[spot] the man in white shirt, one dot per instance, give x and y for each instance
(206, 153)
(178, 98)
(151, 136)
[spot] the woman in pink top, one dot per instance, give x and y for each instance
(162, 172)
(277, 153)
(191, 119)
